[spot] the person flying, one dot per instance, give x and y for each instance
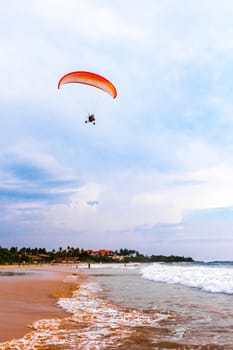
(91, 119)
(91, 79)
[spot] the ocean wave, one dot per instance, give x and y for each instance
(86, 301)
(213, 279)
(93, 323)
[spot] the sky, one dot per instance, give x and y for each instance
(155, 173)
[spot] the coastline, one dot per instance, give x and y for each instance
(114, 308)
(29, 294)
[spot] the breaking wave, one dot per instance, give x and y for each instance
(213, 279)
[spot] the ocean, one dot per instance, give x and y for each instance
(141, 306)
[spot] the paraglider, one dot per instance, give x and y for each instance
(92, 79)
(91, 119)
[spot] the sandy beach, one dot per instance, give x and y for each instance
(113, 307)
(25, 298)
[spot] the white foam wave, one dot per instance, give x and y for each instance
(93, 324)
(214, 279)
(86, 301)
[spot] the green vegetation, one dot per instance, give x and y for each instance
(24, 255)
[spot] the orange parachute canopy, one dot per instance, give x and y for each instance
(89, 78)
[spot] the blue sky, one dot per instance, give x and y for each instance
(155, 172)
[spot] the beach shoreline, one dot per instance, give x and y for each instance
(28, 294)
(112, 307)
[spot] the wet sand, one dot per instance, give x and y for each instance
(24, 299)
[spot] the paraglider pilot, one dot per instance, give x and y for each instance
(91, 119)
(91, 79)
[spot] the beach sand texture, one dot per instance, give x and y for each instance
(24, 299)
(110, 308)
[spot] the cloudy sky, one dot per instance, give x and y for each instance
(155, 173)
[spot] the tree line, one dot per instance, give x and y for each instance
(15, 255)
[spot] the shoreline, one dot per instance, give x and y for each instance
(30, 296)
(116, 309)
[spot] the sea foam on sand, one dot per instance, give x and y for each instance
(92, 323)
(29, 294)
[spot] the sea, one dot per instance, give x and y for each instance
(141, 306)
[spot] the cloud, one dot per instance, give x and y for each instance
(30, 174)
(159, 157)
